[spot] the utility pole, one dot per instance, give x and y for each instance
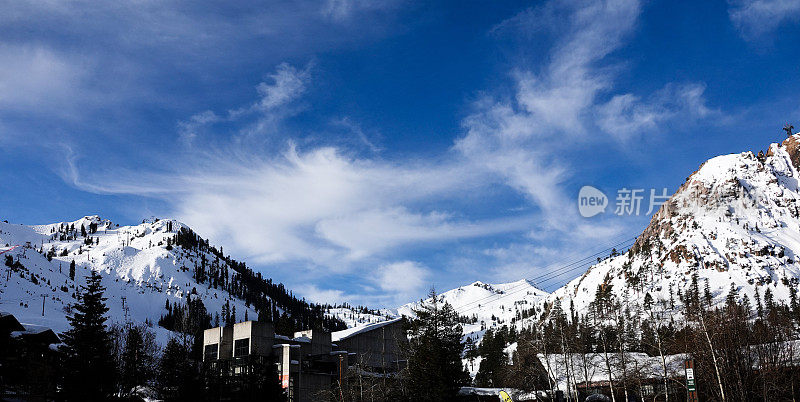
(341, 384)
(43, 297)
(691, 387)
(125, 309)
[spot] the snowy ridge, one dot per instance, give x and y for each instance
(359, 316)
(486, 306)
(734, 224)
(346, 333)
(136, 262)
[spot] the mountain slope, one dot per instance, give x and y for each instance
(733, 224)
(143, 266)
(484, 306)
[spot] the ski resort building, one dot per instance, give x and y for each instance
(28, 361)
(309, 365)
(377, 347)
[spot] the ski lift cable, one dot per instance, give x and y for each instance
(580, 263)
(582, 266)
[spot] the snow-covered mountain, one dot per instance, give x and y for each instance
(484, 306)
(734, 223)
(359, 316)
(143, 267)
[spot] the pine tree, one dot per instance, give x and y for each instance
(769, 300)
(435, 372)
(733, 295)
(138, 358)
(89, 370)
(793, 301)
(72, 270)
(708, 298)
(759, 305)
(226, 314)
(648, 301)
(178, 375)
(493, 362)
(528, 373)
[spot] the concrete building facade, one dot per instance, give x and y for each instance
(375, 347)
(309, 365)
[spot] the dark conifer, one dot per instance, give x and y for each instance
(89, 365)
(435, 371)
(138, 360)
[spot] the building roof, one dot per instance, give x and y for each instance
(303, 339)
(9, 323)
(347, 333)
(37, 333)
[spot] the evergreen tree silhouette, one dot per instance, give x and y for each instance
(435, 371)
(89, 369)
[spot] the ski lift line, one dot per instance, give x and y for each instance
(581, 263)
(19, 300)
(545, 277)
(590, 259)
(582, 266)
(548, 275)
(541, 283)
(5, 251)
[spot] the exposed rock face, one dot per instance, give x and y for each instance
(792, 147)
(733, 222)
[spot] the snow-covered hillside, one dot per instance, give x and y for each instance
(359, 316)
(142, 268)
(486, 306)
(734, 224)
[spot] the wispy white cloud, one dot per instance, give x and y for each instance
(528, 137)
(370, 232)
(316, 294)
(355, 130)
(756, 18)
(519, 138)
(344, 10)
(332, 211)
(318, 206)
(403, 280)
(36, 79)
(189, 129)
(288, 84)
(627, 116)
(277, 99)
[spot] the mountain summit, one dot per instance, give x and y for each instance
(150, 271)
(731, 227)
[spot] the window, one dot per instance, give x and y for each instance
(241, 347)
(211, 352)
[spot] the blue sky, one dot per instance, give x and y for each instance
(364, 151)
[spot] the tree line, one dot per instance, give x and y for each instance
(742, 349)
(102, 361)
